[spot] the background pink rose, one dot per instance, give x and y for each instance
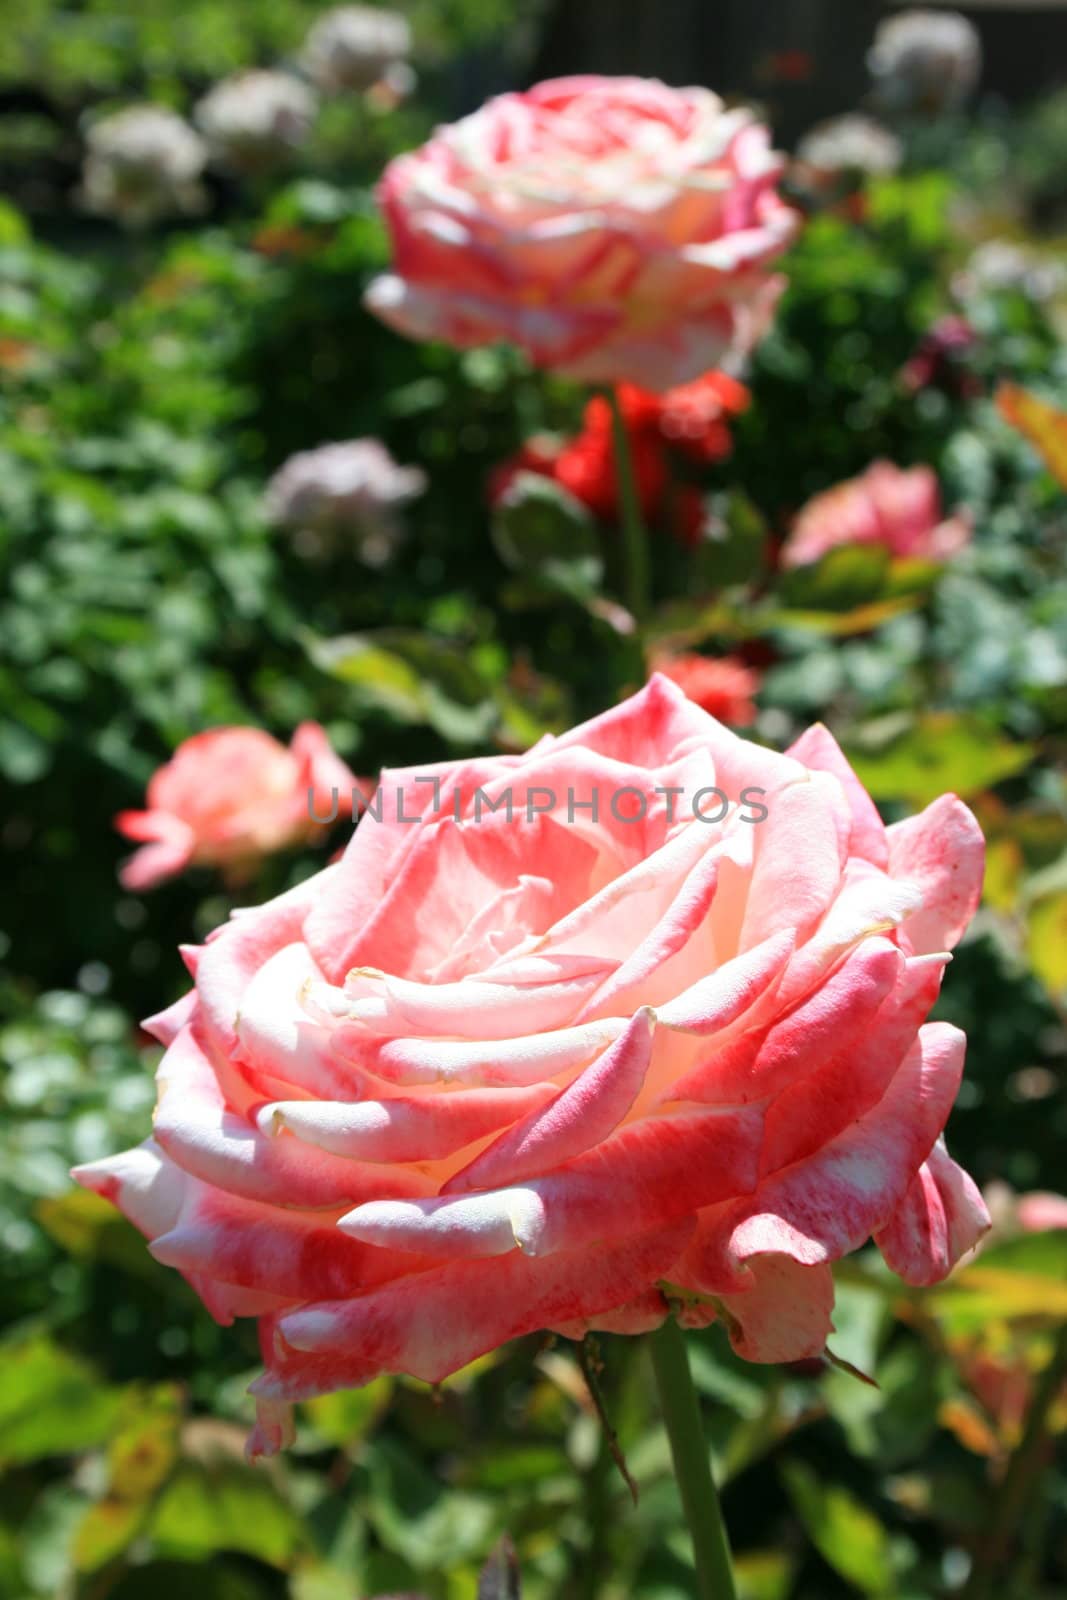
(230, 796)
(488, 1076)
(724, 686)
(613, 228)
(887, 505)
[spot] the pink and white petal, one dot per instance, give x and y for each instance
(584, 1114)
(942, 852)
(799, 856)
(276, 1038)
(646, 973)
(298, 1255)
(511, 1063)
(406, 799)
(434, 1323)
(823, 1207)
(231, 958)
(396, 1006)
(143, 1183)
(716, 1002)
(199, 1130)
(819, 750)
(453, 871)
(167, 1024)
(657, 1169)
(629, 907)
(786, 1315)
(833, 1017)
(405, 1127)
(940, 1218)
(856, 1073)
(647, 730)
(869, 904)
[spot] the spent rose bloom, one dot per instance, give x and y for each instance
(254, 120)
(613, 228)
(925, 60)
(505, 1073)
(353, 489)
(231, 796)
(887, 505)
(724, 687)
(355, 47)
(142, 164)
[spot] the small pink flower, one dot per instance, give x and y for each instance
(1040, 1211)
(558, 1029)
(613, 228)
(887, 505)
(231, 796)
(723, 687)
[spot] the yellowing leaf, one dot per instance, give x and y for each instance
(935, 752)
(1047, 940)
(1043, 424)
(963, 1419)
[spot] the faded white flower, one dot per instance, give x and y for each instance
(852, 143)
(254, 120)
(141, 164)
(356, 47)
(1003, 264)
(352, 490)
(925, 60)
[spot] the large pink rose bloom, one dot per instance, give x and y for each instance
(231, 796)
(488, 1076)
(897, 508)
(614, 228)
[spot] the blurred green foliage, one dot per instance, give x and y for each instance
(149, 387)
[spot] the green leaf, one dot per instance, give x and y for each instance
(849, 576)
(847, 1536)
(932, 753)
(544, 533)
(418, 1519)
(224, 1504)
(763, 1575)
(51, 1402)
(1018, 1280)
(414, 677)
(733, 542)
(347, 1416)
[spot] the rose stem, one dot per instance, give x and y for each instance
(1024, 1469)
(692, 1466)
(634, 536)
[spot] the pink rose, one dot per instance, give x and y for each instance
(613, 228)
(723, 686)
(494, 1075)
(229, 797)
(886, 505)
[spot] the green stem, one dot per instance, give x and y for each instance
(1022, 1475)
(692, 1465)
(634, 536)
